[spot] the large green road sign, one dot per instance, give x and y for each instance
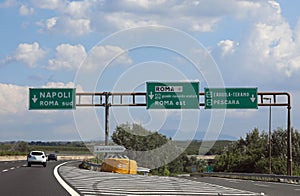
(52, 98)
(230, 98)
(172, 95)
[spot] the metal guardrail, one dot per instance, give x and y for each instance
(252, 176)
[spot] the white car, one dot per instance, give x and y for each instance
(36, 157)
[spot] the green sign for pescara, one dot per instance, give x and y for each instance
(230, 98)
(52, 98)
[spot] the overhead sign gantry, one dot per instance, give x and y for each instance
(241, 98)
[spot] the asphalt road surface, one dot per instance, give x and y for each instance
(268, 188)
(18, 179)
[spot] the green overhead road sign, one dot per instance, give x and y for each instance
(52, 98)
(172, 95)
(230, 98)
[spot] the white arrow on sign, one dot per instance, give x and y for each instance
(252, 98)
(34, 99)
(151, 95)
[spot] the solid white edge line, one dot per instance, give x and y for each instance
(69, 189)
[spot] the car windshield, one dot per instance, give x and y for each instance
(37, 153)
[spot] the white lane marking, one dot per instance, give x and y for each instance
(62, 182)
(297, 189)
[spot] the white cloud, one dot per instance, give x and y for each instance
(51, 22)
(60, 85)
(66, 25)
(72, 19)
(129, 14)
(78, 9)
(227, 47)
(271, 46)
(124, 20)
(106, 55)
(28, 54)
(74, 26)
(13, 98)
(82, 17)
(78, 18)
(275, 5)
(70, 57)
(145, 4)
(24, 10)
(49, 4)
(67, 57)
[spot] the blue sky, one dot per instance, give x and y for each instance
(64, 43)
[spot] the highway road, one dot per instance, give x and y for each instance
(268, 188)
(18, 179)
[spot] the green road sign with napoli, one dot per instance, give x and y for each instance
(230, 98)
(172, 95)
(52, 98)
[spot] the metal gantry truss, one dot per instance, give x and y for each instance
(138, 99)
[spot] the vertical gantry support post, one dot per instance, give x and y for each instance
(107, 105)
(270, 138)
(289, 139)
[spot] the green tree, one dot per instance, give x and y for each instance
(251, 154)
(137, 140)
(163, 161)
(243, 155)
(279, 151)
(135, 137)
